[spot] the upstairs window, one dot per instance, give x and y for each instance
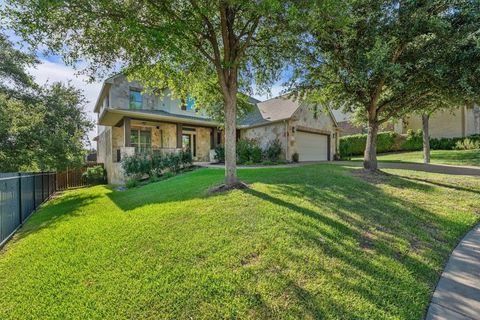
(188, 104)
(135, 100)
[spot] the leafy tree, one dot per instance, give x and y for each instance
(19, 121)
(63, 133)
(386, 58)
(206, 49)
(41, 128)
(13, 76)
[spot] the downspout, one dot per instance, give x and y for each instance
(286, 139)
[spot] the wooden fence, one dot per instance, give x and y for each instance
(72, 177)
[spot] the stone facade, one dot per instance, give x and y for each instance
(203, 144)
(264, 135)
(285, 132)
(317, 120)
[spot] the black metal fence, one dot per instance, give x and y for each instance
(20, 195)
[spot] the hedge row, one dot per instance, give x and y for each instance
(141, 166)
(390, 141)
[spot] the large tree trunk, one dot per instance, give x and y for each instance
(230, 140)
(426, 138)
(370, 157)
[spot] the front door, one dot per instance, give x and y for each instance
(189, 143)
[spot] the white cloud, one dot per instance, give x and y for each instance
(48, 71)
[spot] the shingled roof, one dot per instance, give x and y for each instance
(272, 110)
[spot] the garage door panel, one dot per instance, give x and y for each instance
(311, 146)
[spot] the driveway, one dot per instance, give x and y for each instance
(435, 168)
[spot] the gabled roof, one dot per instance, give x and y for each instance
(271, 110)
(274, 110)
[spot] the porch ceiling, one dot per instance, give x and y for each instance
(111, 117)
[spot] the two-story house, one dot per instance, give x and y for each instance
(131, 121)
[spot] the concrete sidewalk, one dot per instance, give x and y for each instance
(457, 295)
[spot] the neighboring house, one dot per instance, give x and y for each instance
(461, 122)
(131, 121)
(348, 128)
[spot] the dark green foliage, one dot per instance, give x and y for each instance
(454, 143)
(249, 151)
(244, 150)
(273, 150)
(256, 154)
(414, 141)
(131, 183)
(95, 175)
(295, 157)
(355, 144)
(141, 166)
(220, 153)
(41, 128)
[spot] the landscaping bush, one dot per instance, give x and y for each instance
(295, 157)
(454, 143)
(248, 151)
(467, 144)
(414, 141)
(136, 166)
(273, 150)
(220, 153)
(255, 154)
(95, 175)
(243, 150)
(355, 144)
(141, 166)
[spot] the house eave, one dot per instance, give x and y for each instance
(111, 117)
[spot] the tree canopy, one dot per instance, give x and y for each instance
(388, 58)
(210, 50)
(41, 128)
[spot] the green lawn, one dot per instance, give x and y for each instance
(452, 157)
(319, 241)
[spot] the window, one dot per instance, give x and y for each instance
(135, 100)
(188, 104)
(141, 140)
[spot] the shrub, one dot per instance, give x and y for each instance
(136, 166)
(95, 175)
(131, 183)
(295, 157)
(355, 144)
(467, 144)
(243, 150)
(220, 153)
(255, 154)
(155, 165)
(414, 141)
(248, 151)
(273, 150)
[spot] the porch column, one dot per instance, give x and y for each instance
(126, 132)
(179, 135)
(215, 141)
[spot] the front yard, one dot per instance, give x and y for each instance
(451, 157)
(320, 241)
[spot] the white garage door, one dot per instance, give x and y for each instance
(311, 146)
